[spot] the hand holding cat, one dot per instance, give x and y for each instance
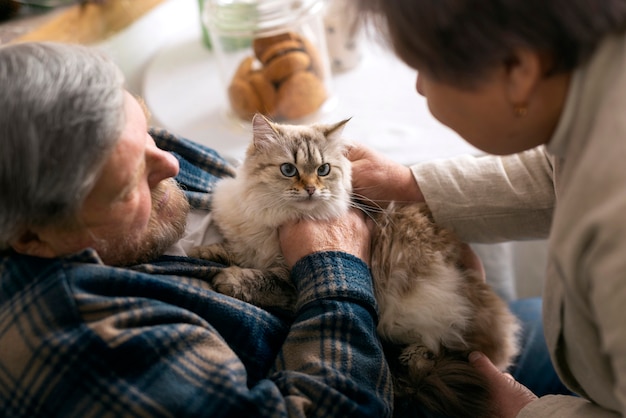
(350, 233)
(508, 395)
(377, 178)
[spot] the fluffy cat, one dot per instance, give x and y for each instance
(433, 312)
(289, 173)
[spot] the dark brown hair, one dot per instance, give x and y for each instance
(456, 41)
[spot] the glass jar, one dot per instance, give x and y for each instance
(272, 57)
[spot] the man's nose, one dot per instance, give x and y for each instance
(162, 165)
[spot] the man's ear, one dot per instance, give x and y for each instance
(525, 69)
(30, 243)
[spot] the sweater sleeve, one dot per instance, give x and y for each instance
(491, 198)
(564, 406)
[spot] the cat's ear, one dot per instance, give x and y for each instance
(263, 132)
(333, 132)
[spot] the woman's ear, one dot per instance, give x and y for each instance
(30, 243)
(525, 69)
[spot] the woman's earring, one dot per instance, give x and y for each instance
(520, 110)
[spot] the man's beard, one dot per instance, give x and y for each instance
(166, 226)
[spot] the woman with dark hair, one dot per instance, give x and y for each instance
(540, 85)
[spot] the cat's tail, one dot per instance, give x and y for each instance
(446, 384)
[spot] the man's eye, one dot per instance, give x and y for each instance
(323, 170)
(126, 196)
(288, 170)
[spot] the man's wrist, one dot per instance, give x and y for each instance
(331, 275)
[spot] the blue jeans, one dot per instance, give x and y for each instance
(533, 367)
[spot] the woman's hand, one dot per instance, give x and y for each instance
(507, 394)
(378, 179)
(350, 233)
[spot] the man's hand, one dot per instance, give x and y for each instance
(350, 233)
(507, 394)
(376, 178)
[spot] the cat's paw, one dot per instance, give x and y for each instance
(269, 289)
(231, 281)
(214, 252)
(196, 252)
(418, 359)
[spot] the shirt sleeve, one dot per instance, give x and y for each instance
(332, 356)
(491, 198)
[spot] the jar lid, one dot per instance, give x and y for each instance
(240, 17)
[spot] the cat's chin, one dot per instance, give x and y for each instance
(308, 201)
(318, 209)
(307, 205)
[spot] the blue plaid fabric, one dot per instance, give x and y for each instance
(81, 339)
(200, 167)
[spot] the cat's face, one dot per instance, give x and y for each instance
(302, 169)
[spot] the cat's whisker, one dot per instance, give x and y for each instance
(367, 210)
(366, 202)
(377, 202)
(365, 207)
(372, 208)
(370, 211)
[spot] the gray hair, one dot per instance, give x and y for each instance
(62, 113)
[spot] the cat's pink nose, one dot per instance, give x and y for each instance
(310, 190)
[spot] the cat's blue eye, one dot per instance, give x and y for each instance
(288, 170)
(323, 170)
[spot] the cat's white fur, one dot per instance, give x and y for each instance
(436, 315)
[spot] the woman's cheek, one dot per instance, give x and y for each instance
(436, 112)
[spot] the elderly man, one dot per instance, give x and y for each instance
(95, 321)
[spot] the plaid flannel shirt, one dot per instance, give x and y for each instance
(82, 339)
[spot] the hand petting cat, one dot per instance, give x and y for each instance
(350, 233)
(378, 180)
